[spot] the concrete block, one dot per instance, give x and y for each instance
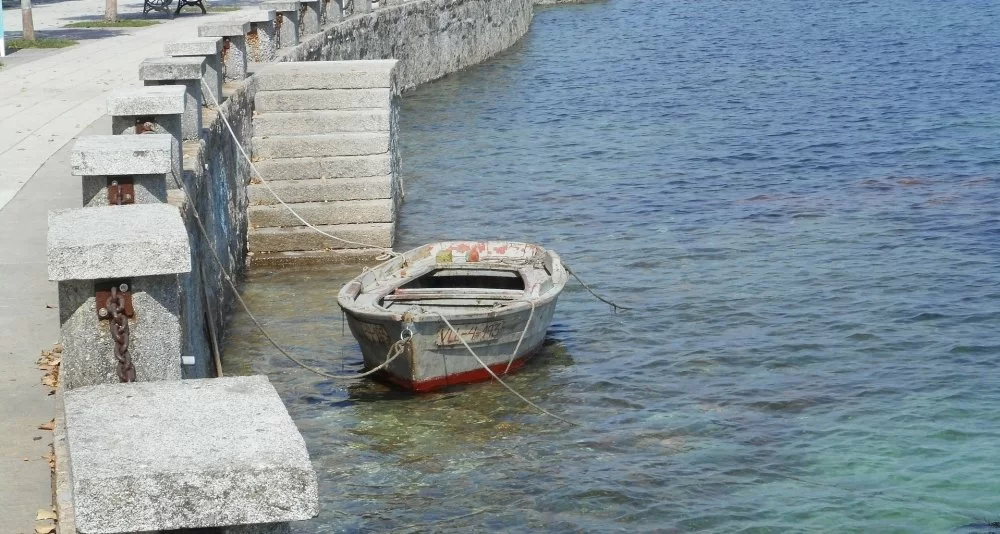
(314, 99)
(194, 46)
(113, 155)
(224, 28)
(209, 48)
(321, 122)
(286, 21)
(260, 37)
(317, 146)
(234, 46)
(219, 452)
(309, 15)
(331, 12)
(186, 71)
(257, 15)
(146, 101)
(303, 238)
(333, 167)
(379, 73)
(171, 69)
(321, 190)
(152, 160)
(155, 337)
(159, 109)
(117, 242)
(324, 213)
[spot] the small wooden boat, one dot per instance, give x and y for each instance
(498, 296)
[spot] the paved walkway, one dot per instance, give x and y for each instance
(44, 105)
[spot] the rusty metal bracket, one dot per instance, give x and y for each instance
(102, 292)
(121, 190)
(145, 125)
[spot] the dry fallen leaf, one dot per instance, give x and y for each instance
(45, 514)
(51, 458)
(45, 529)
(47, 426)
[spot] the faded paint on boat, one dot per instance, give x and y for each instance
(434, 357)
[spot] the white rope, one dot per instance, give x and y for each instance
(397, 346)
(267, 186)
(494, 375)
(523, 332)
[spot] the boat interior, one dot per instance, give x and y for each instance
(458, 289)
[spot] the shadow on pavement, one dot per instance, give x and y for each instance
(76, 34)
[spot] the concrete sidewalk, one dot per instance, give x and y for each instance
(44, 105)
(52, 15)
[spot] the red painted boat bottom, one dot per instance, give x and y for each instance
(457, 379)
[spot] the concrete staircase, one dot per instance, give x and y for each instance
(324, 139)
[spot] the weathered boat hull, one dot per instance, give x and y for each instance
(503, 327)
(435, 358)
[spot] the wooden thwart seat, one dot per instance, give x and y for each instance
(454, 293)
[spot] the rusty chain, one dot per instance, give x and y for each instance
(120, 333)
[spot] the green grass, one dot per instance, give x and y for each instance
(221, 9)
(18, 44)
(124, 23)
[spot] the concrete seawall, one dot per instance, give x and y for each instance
(430, 38)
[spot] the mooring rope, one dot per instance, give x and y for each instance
(494, 375)
(215, 102)
(521, 339)
(614, 306)
(396, 347)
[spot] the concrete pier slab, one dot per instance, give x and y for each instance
(321, 190)
(302, 238)
(321, 99)
(334, 144)
(330, 167)
(116, 242)
(187, 454)
(327, 75)
(325, 213)
(321, 122)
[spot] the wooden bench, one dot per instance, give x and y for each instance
(163, 6)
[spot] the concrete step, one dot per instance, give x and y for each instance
(320, 190)
(304, 238)
(320, 122)
(326, 75)
(311, 99)
(332, 167)
(324, 213)
(318, 146)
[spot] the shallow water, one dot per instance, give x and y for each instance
(799, 199)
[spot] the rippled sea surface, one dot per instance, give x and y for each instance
(800, 201)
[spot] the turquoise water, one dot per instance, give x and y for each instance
(799, 199)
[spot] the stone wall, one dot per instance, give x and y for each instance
(216, 174)
(430, 38)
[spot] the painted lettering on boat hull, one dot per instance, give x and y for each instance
(471, 333)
